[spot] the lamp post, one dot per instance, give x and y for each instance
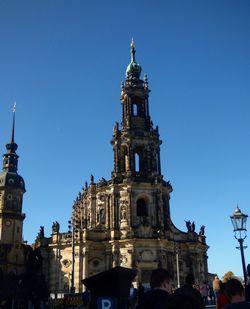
(177, 264)
(73, 231)
(239, 221)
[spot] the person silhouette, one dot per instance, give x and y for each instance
(247, 290)
(159, 295)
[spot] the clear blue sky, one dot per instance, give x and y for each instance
(63, 62)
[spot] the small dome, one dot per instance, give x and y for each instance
(133, 69)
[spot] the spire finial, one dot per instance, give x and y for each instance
(13, 123)
(132, 46)
(10, 159)
(133, 69)
(132, 43)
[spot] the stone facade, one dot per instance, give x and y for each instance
(125, 221)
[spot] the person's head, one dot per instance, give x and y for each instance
(234, 290)
(190, 279)
(160, 278)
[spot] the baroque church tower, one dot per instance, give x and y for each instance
(12, 188)
(137, 144)
(125, 221)
(137, 159)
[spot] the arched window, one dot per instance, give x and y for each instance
(141, 208)
(102, 216)
(137, 162)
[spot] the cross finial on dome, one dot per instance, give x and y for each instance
(133, 69)
(132, 46)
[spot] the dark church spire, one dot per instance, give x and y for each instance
(12, 188)
(13, 123)
(10, 159)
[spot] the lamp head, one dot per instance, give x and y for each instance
(239, 220)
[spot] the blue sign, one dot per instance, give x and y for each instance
(105, 303)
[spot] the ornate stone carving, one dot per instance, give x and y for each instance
(123, 213)
(55, 227)
(123, 260)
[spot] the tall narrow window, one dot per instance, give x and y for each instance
(102, 216)
(137, 162)
(135, 109)
(141, 208)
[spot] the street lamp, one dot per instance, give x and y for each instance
(73, 226)
(239, 221)
(177, 264)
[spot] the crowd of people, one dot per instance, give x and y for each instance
(231, 293)
(227, 294)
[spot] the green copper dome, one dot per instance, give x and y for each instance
(133, 68)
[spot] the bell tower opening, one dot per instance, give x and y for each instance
(138, 107)
(137, 162)
(141, 208)
(135, 109)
